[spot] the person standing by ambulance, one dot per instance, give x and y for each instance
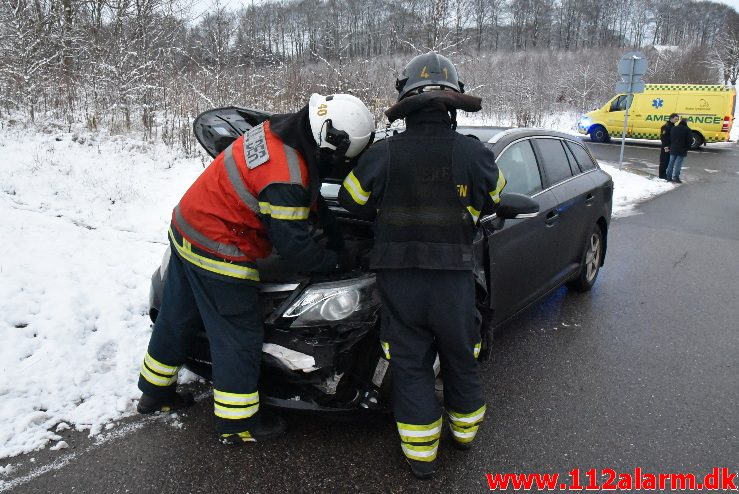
(257, 194)
(426, 188)
(664, 151)
(680, 139)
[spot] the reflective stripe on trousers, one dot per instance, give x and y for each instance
(464, 426)
(157, 373)
(235, 406)
(420, 442)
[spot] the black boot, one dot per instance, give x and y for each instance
(267, 427)
(423, 470)
(461, 446)
(149, 404)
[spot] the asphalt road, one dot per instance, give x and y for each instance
(641, 372)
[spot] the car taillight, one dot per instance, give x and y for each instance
(727, 124)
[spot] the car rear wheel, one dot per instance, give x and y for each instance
(590, 263)
(599, 133)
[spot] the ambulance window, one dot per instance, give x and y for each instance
(582, 156)
(518, 164)
(555, 160)
(619, 104)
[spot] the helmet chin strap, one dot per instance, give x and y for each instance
(327, 158)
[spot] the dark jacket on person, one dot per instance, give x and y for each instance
(680, 137)
(664, 133)
(430, 186)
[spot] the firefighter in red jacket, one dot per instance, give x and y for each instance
(257, 194)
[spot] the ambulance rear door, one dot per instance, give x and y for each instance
(704, 111)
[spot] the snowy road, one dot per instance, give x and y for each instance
(84, 222)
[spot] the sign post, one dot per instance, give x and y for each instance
(631, 67)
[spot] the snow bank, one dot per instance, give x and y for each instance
(83, 227)
(630, 189)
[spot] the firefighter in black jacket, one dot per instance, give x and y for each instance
(427, 187)
(664, 136)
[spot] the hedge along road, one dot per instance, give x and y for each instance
(641, 372)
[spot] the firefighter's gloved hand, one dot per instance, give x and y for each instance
(334, 236)
(347, 261)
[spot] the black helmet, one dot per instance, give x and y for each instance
(429, 69)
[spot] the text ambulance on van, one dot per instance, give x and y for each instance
(708, 108)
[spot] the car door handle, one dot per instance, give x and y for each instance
(552, 217)
(589, 199)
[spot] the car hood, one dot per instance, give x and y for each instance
(216, 129)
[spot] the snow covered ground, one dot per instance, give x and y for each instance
(83, 224)
(83, 227)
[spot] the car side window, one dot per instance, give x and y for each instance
(582, 156)
(573, 163)
(555, 160)
(518, 164)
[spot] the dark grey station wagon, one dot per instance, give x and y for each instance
(322, 351)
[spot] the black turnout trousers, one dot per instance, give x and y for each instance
(426, 312)
(664, 159)
(230, 313)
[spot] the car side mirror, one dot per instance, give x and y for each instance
(513, 206)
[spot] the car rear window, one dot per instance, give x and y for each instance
(582, 156)
(518, 164)
(555, 161)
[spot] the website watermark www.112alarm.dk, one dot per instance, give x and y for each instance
(607, 479)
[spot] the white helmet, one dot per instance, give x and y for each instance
(341, 121)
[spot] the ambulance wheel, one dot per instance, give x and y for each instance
(696, 140)
(599, 134)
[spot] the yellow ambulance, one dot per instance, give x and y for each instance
(708, 108)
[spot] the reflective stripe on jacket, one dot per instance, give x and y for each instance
(221, 213)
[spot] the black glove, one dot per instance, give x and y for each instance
(331, 228)
(347, 261)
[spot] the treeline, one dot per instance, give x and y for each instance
(149, 65)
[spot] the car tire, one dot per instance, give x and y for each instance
(598, 133)
(590, 263)
(696, 140)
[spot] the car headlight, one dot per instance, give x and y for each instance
(584, 122)
(326, 303)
